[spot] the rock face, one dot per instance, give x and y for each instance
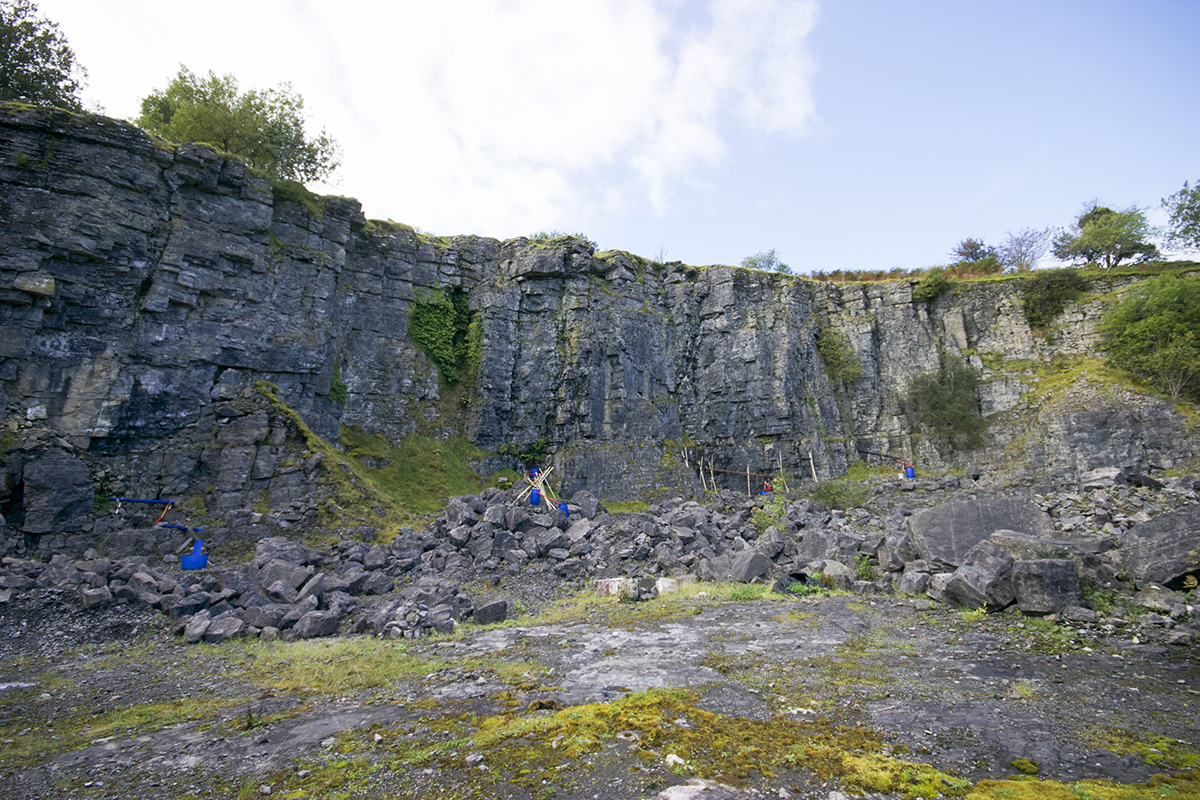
(144, 289)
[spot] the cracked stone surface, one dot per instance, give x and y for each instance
(966, 696)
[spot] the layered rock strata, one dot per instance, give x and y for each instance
(143, 287)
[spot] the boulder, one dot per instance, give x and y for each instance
(349, 581)
(771, 543)
(378, 583)
(194, 630)
(295, 612)
(984, 579)
(376, 558)
(749, 565)
(292, 575)
(1165, 548)
(1078, 614)
(1046, 586)
(95, 598)
(280, 592)
(1157, 598)
(283, 549)
(937, 586)
(832, 573)
(461, 511)
(58, 493)
(268, 616)
(315, 624)
(913, 583)
(587, 503)
(223, 628)
(314, 586)
(495, 611)
(1088, 566)
(944, 534)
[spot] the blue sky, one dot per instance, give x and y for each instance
(845, 134)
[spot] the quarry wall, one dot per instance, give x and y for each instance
(143, 287)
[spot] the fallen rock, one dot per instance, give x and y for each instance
(944, 534)
(222, 628)
(1046, 586)
(750, 565)
(984, 579)
(315, 624)
(1157, 598)
(58, 493)
(495, 611)
(1165, 548)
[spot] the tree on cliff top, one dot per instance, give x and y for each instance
(1183, 208)
(766, 262)
(36, 63)
(264, 128)
(1103, 236)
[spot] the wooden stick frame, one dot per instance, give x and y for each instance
(537, 483)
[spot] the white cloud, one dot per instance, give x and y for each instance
(485, 116)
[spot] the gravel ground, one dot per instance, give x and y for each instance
(102, 704)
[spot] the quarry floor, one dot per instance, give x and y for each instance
(781, 697)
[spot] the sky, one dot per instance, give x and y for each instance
(843, 134)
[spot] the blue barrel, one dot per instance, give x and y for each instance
(563, 507)
(535, 498)
(909, 472)
(195, 559)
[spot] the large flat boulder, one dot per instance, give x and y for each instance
(1165, 548)
(58, 493)
(944, 534)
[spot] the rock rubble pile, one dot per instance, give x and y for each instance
(1078, 555)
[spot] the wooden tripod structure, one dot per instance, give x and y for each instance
(536, 483)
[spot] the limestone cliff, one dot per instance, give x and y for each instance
(143, 287)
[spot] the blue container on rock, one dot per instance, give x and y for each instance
(909, 472)
(535, 498)
(563, 507)
(195, 559)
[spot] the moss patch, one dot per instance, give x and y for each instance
(417, 472)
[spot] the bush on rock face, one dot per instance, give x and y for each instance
(1045, 294)
(945, 403)
(1155, 333)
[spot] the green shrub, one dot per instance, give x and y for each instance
(841, 361)
(1155, 333)
(337, 387)
(771, 513)
(863, 569)
(932, 284)
(548, 236)
(945, 404)
(1045, 294)
(532, 456)
(440, 323)
(988, 265)
(840, 494)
